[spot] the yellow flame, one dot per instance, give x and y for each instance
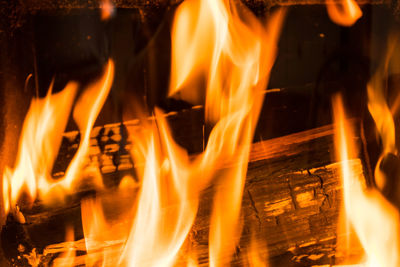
(375, 220)
(98, 233)
(39, 143)
(236, 52)
(107, 9)
(85, 114)
(41, 138)
(257, 253)
(381, 114)
(231, 53)
(344, 14)
(167, 204)
(66, 259)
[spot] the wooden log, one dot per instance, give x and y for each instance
(292, 195)
(294, 213)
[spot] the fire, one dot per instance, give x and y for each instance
(257, 253)
(107, 9)
(233, 52)
(381, 113)
(344, 14)
(366, 208)
(41, 138)
(171, 181)
(38, 145)
(66, 259)
(222, 55)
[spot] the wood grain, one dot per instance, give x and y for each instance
(291, 198)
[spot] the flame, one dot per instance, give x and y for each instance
(41, 138)
(344, 14)
(98, 233)
(107, 9)
(226, 50)
(39, 142)
(66, 259)
(257, 253)
(105, 236)
(382, 114)
(167, 202)
(231, 53)
(375, 220)
(229, 48)
(236, 52)
(85, 114)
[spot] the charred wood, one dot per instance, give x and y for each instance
(291, 199)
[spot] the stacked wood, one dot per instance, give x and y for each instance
(291, 200)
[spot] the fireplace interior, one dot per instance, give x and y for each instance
(292, 196)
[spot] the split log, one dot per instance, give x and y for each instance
(291, 198)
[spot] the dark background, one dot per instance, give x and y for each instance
(316, 59)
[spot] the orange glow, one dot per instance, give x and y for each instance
(171, 182)
(107, 9)
(41, 138)
(257, 253)
(344, 14)
(85, 113)
(66, 259)
(228, 57)
(167, 201)
(39, 143)
(381, 113)
(366, 209)
(103, 239)
(229, 49)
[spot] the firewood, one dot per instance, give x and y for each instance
(291, 198)
(294, 213)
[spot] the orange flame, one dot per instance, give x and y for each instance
(234, 52)
(375, 220)
(41, 138)
(107, 9)
(257, 253)
(380, 112)
(237, 59)
(344, 14)
(229, 48)
(167, 202)
(66, 259)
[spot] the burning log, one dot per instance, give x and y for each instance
(291, 199)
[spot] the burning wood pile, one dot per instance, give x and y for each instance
(130, 194)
